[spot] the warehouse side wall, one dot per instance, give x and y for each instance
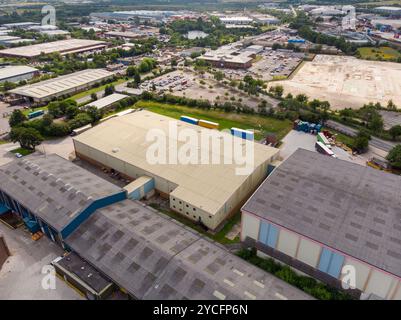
(316, 259)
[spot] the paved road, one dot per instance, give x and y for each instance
(374, 142)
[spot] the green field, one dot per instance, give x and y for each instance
(22, 151)
(381, 53)
(260, 124)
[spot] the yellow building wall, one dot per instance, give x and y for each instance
(287, 243)
(309, 252)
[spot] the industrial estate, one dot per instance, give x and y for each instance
(250, 151)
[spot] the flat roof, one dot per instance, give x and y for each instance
(14, 71)
(207, 187)
(126, 34)
(50, 47)
(55, 86)
(53, 188)
(154, 257)
(107, 101)
(348, 207)
(83, 271)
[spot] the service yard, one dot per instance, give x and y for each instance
(347, 81)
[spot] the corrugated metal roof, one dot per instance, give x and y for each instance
(53, 188)
(57, 86)
(348, 207)
(154, 257)
(50, 47)
(207, 186)
(14, 71)
(107, 101)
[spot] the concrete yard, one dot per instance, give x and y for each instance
(21, 275)
(295, 139)
(347, 81)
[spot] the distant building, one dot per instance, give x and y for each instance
(319, 214)
(394, 11)
(203, 193)
(124, 35)
(237, 20)
(20, 25)
(47, 90)
(230, 57)
(106, 102)
(17, 73)
(62, 46)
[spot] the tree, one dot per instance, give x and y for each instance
(54, 109)
(394, 157)
(376, 123)
(71, 111)
(219, 75)
(94, 113)
(395, 131)
(361, 142)
(94, 96)
(17, 117)
(391, 106)
(109, 90)
(47, 120)
(28, 138)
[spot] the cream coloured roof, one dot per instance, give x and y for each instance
(207, 186)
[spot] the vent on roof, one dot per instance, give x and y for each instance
(115, 150)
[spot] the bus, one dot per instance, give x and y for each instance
(35, 114)
(321, 148)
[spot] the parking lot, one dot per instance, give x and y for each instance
(390, 118)
(276, 63)
(188, 84)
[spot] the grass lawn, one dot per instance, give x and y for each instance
(22, 151)
(381, 53)
(97, 89)
(260, 124)
(218, 237)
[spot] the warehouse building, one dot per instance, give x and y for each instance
(232, 57)
(17, 73)
(48, 90)
(207, 193)
(107, 102)
(150, 256)
(236, 20)
(53, 195)
(393, 11)
(320, 214)
(116, 241)
(124, 35)
(63, 47)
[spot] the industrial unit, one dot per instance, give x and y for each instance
(47, 90)
(63, 47)
(53, 195)
(319, 214)
(231, 57)
(17, 73)
(107, 101)
(208, 193)
(150, 256)
(116, 241)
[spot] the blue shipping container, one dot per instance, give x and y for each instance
(189, 120)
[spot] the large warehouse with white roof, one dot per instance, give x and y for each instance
(47, 90)
(320, 214)
(63, 47)
(207, 193)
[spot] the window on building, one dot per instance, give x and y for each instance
(268, 234)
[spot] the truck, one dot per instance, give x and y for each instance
(77, 131)
(323, 139)
(321, 148)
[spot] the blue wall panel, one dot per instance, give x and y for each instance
(86, 213)
(325, 258)
(135, 195)
(273, 235)
(336, 264)
(263, 232)
(149, 186)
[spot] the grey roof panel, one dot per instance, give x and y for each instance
(153, 257)
(348, 207)
(53, 188)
